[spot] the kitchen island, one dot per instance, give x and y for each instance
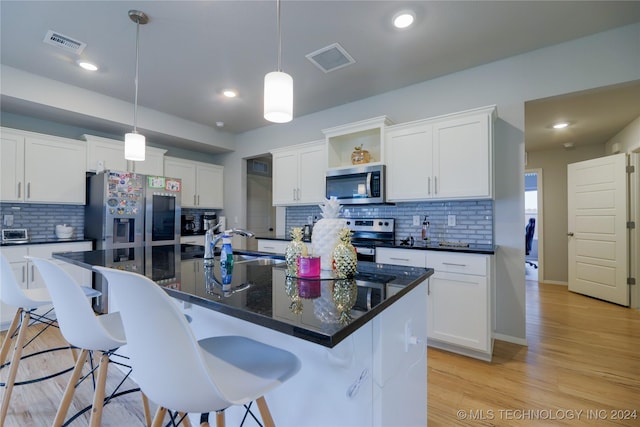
(362, 342)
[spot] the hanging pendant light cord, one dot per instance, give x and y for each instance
(279, 38)
(135, 100)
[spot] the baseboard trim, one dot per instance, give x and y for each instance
(554, 282)
(511, 339)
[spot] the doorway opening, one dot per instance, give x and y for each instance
(533, 227)
(261, 214)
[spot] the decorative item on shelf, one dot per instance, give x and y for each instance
(294, 249)
(360, 156)
(345, 293)
(345, 259)
(326, 232)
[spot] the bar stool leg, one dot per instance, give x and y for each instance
(13, 369)
(98, 397)
(220, 421)
(159, 417)
(264, 412)
(70, 390)
(145, 407)
(6, 343)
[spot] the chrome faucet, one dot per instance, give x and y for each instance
(210, 241)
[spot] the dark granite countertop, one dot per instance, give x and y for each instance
(260, 292)
(472, 248)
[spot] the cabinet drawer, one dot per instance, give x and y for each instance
(273, 246)
(406, 257)
(458, 263)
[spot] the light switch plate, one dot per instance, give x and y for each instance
(8, 220)
(451, 220)
(416, 220)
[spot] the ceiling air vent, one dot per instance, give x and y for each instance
(330, 58)
(64, 42)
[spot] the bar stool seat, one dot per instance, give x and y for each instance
(198, 376)
(83, 329)
(26, 301)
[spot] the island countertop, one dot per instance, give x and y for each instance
(322, 310)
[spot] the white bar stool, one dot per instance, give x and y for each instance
(83, 329)
(197, 376)
(26, 301)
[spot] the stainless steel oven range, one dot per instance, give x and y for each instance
(367, 233)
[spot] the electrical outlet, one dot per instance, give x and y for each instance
(416, 220)
(451, 220)
(8, 220)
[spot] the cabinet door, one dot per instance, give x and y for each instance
(209, 192)
(462, 158)
(153, 163)
(311, 170)
(458, 308)
(285, 178)
(105, 155)
(409, 163)
(186, 171)
(55, 171)
(11, 167)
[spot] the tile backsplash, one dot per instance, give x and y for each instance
(40, 220)
(473, 219)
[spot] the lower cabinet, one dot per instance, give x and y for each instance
(459, 298)
(27, 275)
(272, 246)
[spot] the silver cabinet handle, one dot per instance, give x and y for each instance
(23, 274)
(428, 288)
(435, 185)
(19, 190)
(570, 234)
(452, 263)
(194, 200)
(33, 273)
(399, 259)
(429, 185)
(269, 247)
(28, 190)
(198, 200)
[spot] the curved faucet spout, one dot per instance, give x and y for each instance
(211, 241)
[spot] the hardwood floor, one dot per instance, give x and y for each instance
(582, 367)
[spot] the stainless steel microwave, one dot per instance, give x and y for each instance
(357, 185)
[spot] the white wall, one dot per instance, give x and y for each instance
(627, 140)
(603, 59)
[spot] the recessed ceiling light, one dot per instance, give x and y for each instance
(87, 65)
(403, 19)
(230, 93)
(560, 125)
(220, 124)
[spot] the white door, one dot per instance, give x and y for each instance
(597, 232)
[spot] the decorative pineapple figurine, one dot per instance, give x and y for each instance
(326, 232)
(345, 259)
(291, 287)
(345, 293)
(294, 249)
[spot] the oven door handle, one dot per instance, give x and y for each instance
(369, 175)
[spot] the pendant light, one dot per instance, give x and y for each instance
(134, 143)
(278, 89)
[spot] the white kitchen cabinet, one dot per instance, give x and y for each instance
(27, 274)
(41, 168)
(369, 134)
(449, 157)
(108, 154)
(272, 246)
(298, 174)
(406, 257)
(459, 304)
(202, 183)
(459, 298)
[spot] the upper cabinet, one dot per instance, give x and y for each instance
(108, 154)
(202, 183)
(41, 169)
(298, 174)
(448, 157)
(368, 134)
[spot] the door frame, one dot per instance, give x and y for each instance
(634, 238)
(540, 221)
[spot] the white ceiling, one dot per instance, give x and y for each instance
(191, 50)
